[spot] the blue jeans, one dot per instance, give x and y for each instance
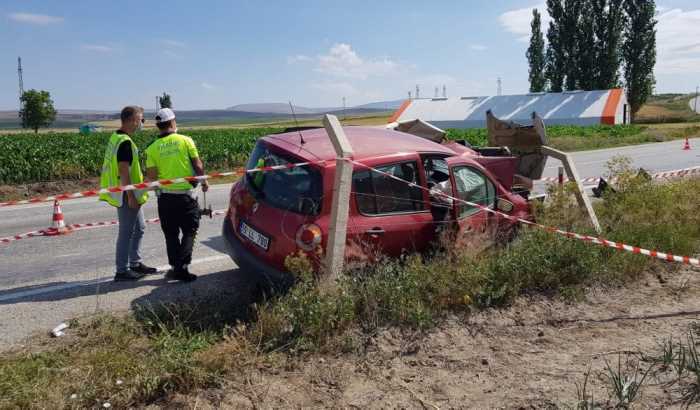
(131, 227)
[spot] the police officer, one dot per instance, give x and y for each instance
(172, 156)
(121, 166)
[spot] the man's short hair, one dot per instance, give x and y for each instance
(130, 112)
(164, 125)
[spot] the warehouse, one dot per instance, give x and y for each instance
(566, 108)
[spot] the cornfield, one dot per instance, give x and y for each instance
(26, 158)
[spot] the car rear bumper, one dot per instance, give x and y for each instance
(248, 262)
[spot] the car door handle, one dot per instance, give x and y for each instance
(375, 231)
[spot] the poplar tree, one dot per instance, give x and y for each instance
(535, 54)
(555, 64)
(639, 52)
(609, 24)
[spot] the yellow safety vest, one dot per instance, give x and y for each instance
(172, 155)
(110, 172)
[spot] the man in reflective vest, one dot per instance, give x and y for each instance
(121, 166)
(173, 156)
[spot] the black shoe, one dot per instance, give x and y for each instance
(127, 276)
(182, 275)
(141, 268)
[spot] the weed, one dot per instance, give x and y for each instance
(626, 385)
(584, 400)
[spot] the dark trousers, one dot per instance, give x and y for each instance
(178, 214)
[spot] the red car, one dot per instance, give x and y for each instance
(278, 213)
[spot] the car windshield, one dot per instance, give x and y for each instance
(294, 189)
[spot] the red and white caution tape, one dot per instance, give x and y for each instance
(154, 184)
(85, 226)
(669, 257)
(22, 236)
(659, 175)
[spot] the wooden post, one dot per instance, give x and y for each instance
(560, 176)
(335, 250)
(572, 173)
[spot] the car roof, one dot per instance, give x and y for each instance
(366, 142)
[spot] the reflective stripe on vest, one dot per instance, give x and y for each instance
(110, 171)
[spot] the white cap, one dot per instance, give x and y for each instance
(164, 115)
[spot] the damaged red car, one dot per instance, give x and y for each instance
(277, 213)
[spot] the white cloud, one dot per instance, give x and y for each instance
(207, 86)
(518, 21)
(299, 58)
(40, 19)
(678, 42)
(336, 88)
(343, 61)
(172, 54)
(173, 43)
(478, 47)
(97, 48)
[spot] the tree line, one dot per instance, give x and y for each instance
(595, 44)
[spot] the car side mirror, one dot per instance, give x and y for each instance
(504, 205)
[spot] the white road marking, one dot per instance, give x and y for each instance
(67, 255)
(50, 289)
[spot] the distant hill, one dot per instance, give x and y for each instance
(283, 108)
(271, 108)
(382, 105)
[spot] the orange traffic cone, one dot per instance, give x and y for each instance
(58, 226)
(686, 146)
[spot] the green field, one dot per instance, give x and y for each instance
(27, 158)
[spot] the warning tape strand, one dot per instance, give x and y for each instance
(666, 256)
(154, 184)
(85, 226)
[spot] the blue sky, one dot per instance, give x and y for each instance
(214, 54)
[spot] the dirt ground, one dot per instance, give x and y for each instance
(531, 355)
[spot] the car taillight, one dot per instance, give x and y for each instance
(308, 237)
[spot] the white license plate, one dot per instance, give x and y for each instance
(254, 236)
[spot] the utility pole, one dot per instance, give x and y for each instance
(344, 114)
(410, 97)
(436, 92)
(444, 91)
(21, 81)
(499, 90)
(417, 92)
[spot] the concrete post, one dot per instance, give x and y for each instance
(335, 250)
(583, 200)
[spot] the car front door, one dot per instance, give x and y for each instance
(391, 216)
(476, 227)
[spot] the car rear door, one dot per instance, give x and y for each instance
(476, 227)
(391, 216)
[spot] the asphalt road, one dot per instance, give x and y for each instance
(46, 280)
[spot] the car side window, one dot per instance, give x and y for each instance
(474, 187)
(378, 194)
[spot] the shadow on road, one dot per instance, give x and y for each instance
(214, 302)
(216, 243)
(69, 290)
